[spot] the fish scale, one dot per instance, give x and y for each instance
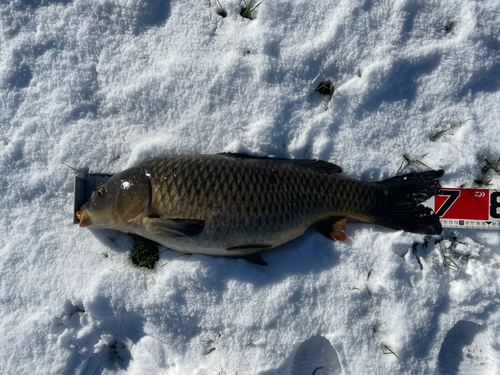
(270, 203)
(232, 204)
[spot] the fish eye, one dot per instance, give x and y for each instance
(100, 192)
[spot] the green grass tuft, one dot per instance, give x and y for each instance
(145, 253)
(247, 10)
(410, 161)
(440, 133)
(487, 169)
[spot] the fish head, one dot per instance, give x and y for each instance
(118, 201)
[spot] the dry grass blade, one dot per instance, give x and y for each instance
(447, 261)
(76, 170)
(409, 161)
(368, 290)
(209, 351)
(440, 133)
(377, 326)
(388, 350)
(221, 11)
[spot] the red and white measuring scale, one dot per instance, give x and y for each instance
(467, 208)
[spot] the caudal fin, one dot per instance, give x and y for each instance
(405, 195)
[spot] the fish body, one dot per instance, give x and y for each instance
(236, 205)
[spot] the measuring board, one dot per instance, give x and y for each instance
(457, 208)
(467, 208)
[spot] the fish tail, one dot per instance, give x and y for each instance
(402, 209)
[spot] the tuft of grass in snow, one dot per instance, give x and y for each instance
(221, 11)
(486, 170)
(377, 326)
(210, 346)
(483, 181)
(449, 27)
(145, 252)
(326, 88)
(410, 161)
(440, 133)
(247, 10)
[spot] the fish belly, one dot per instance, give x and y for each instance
(229, 241)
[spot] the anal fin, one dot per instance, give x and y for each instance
(330, 227)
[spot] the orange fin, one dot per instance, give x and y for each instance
(330, 226)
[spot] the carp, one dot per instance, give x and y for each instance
(236, 205)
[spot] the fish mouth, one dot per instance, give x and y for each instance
(84, 218)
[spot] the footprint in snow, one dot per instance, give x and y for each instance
(96, 338)
(466, 350)
(316, 356)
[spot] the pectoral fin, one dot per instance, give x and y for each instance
(174, 227)
(330, 226)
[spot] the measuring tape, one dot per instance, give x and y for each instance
(467, 208)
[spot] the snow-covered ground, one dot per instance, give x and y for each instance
(98, 85)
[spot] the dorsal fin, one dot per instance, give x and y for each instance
(317, 165)
(330, 228)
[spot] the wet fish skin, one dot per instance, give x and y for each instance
(233, 205)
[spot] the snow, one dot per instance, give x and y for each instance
(99, 85)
